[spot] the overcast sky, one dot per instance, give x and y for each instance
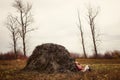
(56, 22)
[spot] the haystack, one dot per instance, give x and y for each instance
(50, 58)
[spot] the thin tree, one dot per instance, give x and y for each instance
(24, 19)
(82, 35)
(13, 28)
(92, 14)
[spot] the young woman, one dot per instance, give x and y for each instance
(81, 68)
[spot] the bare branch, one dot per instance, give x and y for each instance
(92, 14)
(24, 20)
(13, 28)
(30, 30)
(18, 21)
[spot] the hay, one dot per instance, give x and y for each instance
(50, 58)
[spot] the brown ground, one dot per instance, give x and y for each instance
(102, 69)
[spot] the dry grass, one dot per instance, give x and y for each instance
(102, 69)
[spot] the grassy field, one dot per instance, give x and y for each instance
(102, 69)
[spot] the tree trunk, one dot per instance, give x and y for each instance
(83, 46)
(95, 47)
(81, 31)
(94, 40)
(24, 46)
(15, 45)
(23, 33)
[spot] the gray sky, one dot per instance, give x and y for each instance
(56, 22)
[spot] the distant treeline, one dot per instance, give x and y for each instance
(12, 56)
(107, 55)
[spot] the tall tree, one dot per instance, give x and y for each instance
(92, 14)
(24, 19)
(13, 28)
(82, 35)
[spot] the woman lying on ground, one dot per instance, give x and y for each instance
(81, 68)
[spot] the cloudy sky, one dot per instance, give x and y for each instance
(56, 22)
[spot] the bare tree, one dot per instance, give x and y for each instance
(13, 28)
(92, 14)
(24, 19)
(82, 35)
